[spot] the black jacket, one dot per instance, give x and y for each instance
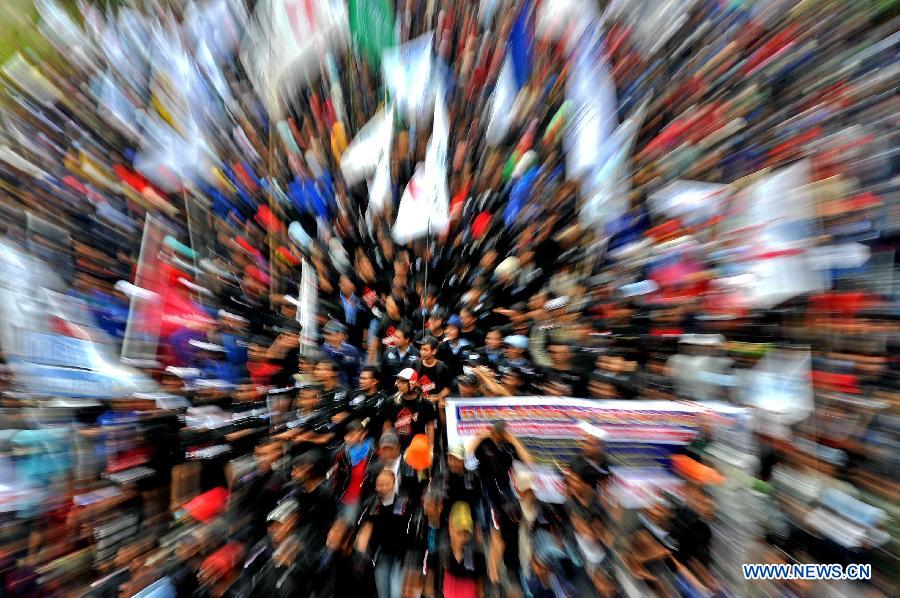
(340, 477)
(410, 484)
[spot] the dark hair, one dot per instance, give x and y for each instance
(372, 369)
(405, 328)
(330, 363)
(400, 301)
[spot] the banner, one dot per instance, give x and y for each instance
(640, 434)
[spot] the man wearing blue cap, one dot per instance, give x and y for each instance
(454, 348)
(343, 353)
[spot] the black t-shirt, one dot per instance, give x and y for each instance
(692, 536)
(494, 462)
(570, 382)
(410, 418)
(369, 409)
(465, 487)
(390, 525)
(433, 379)
(454, 359)
(474, 336)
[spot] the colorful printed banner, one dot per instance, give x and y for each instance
(639, 433)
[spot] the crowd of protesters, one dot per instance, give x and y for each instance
(154, 167)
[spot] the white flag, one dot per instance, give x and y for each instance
(407, 73)
(363, 154)
(424, 207)
(502, 101)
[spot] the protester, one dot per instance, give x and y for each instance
(369, 404)
(400, 356)
(433, 375)
(680, 211)
(410, 413)
(384, 533)
(341, 352)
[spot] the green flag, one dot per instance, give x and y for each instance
(372, 28)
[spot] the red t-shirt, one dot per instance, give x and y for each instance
(351, 496)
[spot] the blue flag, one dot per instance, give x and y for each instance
(521, 44)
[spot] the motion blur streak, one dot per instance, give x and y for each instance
(448, 298)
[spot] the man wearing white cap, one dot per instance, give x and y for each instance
(410, 414)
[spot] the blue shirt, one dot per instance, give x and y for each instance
(348, 360)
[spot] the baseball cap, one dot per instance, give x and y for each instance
(517, 341)
(284, 510)
(408, 374)
(429, 340)
(454, 320)
(461, 517)
(334, 327)
(458, 451)
(389, 438)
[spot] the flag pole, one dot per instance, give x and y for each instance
(427, 259)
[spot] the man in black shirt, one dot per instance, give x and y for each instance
(433, 375)
(470, 330)
(402, 355)
(562, 379)
(462, 484)
(334, 394)
(385, 532)
(496, 450)
(368, 404)
(409, 413)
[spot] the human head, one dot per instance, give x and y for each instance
(389, 446)
(384, 483)
(460, 523)
(498, 431)
(402, 336)
(346, 285)
(308, 466)
(512, 380)
(436, 321)
(326, 372)
(516, 345)
(467, 316)
(281, 520)
(468, 385)
(369, 376)
(394, 307)
(428, 348)
(451, 331)
(560, 354)
(335, 333)
(309, 396)
(456, 459)
(494, 339)
(266, 453)
(406, 382)
(354, 433)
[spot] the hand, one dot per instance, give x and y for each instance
(338, 418)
